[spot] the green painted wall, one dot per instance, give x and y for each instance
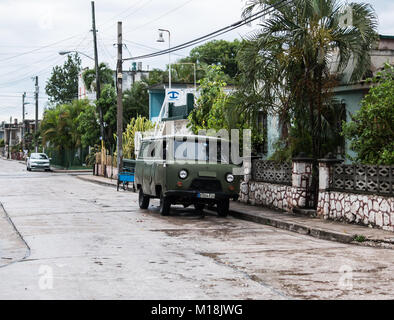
(352, 100)
(156, 99)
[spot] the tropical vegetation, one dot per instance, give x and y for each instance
(62, 86)
(287, 69)
(371, 130)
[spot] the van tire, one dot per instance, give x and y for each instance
(143, 200)
(223, 208)
(165, 205)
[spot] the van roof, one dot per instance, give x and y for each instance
(191, 136)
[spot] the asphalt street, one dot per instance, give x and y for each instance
(64, 238)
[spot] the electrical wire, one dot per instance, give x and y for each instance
(124, 11)
(162, 16)
(37, 49)
(216, 33)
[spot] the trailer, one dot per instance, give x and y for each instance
(127, 175)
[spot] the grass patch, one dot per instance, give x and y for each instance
(73, 167)
(360, 238)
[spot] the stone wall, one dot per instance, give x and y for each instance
(266, 194)
(352, 206)
(368, 210)
(371, 210)
(280, 196)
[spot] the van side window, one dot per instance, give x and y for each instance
(142, 150)
(164, 150)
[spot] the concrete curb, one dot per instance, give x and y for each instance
(298, 228)
(70, 171)
(318, 233)
(103, 183)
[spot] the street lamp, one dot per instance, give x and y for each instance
(62, 53)
(161, 39)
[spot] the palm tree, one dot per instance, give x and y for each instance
(297, 57)
(106, 76)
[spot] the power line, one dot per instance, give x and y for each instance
(138, 9)
(216, 33)
(39, 48)
(39, 72)
(124, 11)
(56, 58)
(148, 47)
(163, 15)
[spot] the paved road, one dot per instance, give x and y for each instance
(86, 241)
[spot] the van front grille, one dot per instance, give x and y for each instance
(207, 185)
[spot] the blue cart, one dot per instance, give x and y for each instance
(127, 175)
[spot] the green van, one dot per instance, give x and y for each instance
(187, 170)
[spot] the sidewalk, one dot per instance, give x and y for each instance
(315, 227)
(98, 179)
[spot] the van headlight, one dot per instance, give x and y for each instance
(229, 178)
(183, 174)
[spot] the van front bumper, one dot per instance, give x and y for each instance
(195, 196)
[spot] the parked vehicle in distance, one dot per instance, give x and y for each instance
(178, 169)
(38, 161)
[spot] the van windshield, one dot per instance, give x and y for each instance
(211, 150)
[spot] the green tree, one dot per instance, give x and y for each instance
(214, 108)
(59, 126)
(105, 73)
(371, 130)
(287, 64)
(211, 94)
(88, 126)
(136, 101)
(138, 124)
(217, 52)
(108, 103)
(156, 76)
(62, 86)
(2, 144)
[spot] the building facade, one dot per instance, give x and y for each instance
(347, 94)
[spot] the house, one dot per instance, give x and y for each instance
(348, 95)
(171, 107)
(12, 132)
(129, 77)
(2, 125)
(351, 94)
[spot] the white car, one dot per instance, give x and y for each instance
(38, 161)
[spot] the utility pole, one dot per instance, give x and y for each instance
(36, 122)
(9, 139)
(119, 116)
(96, 65)
(23, 120)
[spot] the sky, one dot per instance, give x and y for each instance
(33, 32)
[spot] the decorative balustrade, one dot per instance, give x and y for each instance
(362, 179)
(272, 172)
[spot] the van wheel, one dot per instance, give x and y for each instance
(143, 200)
(165, 205)
(223, 207)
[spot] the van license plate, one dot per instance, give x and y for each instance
(206, 195)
